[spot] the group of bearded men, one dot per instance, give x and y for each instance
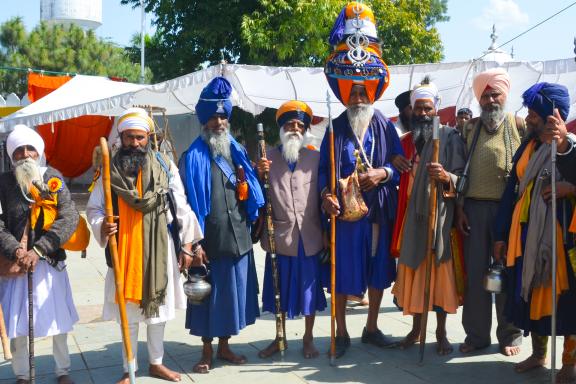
(493, 193)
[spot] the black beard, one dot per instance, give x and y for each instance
(421, 131)
(405, 120)
(130, 160)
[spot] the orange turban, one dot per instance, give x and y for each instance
(496, 78)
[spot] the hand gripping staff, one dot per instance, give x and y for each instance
(118, 275)
(332, 237)
(280, 325)
(431, 240)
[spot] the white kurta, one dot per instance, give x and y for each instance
(54, 310)
(190, 232)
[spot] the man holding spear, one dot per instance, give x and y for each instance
(42, 252)
(142, 181)
(358, 77)
(292, 170)
(409, 289)
(524, 236)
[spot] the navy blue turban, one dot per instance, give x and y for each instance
(402, 100)
(214, 100)
(540, 97)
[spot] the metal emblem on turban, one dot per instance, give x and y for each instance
(220, 106)
(358, 42)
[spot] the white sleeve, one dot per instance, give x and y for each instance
(190, 231)
(95, 212)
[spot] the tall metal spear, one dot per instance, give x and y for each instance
(332, 237)
(553, 151)
(431, 240)
(31, 326)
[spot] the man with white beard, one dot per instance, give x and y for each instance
(363, 246)
(22, 191)
(491, 139)
(293, 180)
(223, 190)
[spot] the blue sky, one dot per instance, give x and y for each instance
(465, 36)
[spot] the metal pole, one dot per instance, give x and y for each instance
(554, 261)
(142, 45)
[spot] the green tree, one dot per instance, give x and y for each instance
(59, 48)
(192, 34)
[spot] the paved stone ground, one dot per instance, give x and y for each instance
(96, 349)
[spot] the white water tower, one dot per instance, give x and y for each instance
(83, 13)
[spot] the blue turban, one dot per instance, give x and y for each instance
(540, 97)
(214, 100)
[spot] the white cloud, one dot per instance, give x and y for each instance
(503, 13)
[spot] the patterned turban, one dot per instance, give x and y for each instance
(496, 78)
(215, 100)
(135, 118)
(22, 135)
(294, 110)
(542, 96)
(427, 91)
(357, 55)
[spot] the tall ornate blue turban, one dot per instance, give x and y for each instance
(357, 55)
(540, 97)
(215, 100)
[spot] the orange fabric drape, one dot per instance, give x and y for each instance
(40, 85)
(69, 143)
(131, 247)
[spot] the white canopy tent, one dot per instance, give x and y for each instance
(259, 87)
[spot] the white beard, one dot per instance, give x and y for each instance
(359, 117)
(27, 171)
(219, 143)
(292, 142)
(493, 119)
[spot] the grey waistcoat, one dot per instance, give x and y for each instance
(225, 230)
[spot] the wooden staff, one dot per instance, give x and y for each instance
(31, 327)
(332, 237)
(4, 337)
(280, 326)
(118, 275)
(430, 245)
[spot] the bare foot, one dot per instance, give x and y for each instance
(271, 349)
(361, 301)
(160, 371)
(566, 375)
(226, 354)
(510, 350)
(204, 365)
(308, 349)
(125, 379)
(411, 338)
(443, 346)
(65, 379)
(530, 363)
(467, 348)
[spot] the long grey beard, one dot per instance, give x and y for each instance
(292, 142)
(421, 131)
(219, 143)
(359, 117)
(26, 172)
(492, 118)
(130, 160)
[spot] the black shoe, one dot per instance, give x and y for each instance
(342, 344)
(376, 338)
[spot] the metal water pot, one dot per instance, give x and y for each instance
(196, 288)
(494, 279)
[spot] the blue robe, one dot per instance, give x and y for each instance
(356, 269)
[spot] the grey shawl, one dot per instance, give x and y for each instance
(452, 156)
(537, 263)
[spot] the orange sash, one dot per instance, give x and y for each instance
(130, 247)
(78, 241)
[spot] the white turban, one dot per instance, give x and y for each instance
(425, 92)
(135, 118)
(22, 135)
